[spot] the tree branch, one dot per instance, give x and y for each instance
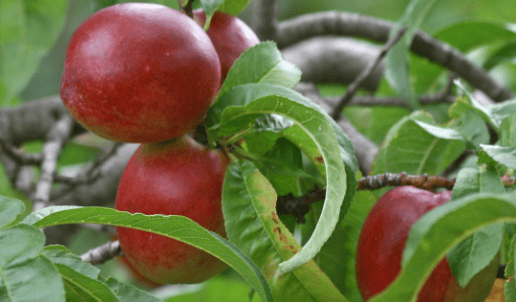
(335, 60)
(265, 19)
(346, 24)
(102, 253)
(355, 85)
(56, 139)
(32, 120)
(370, 101)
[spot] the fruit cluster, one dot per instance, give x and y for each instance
(146, 73)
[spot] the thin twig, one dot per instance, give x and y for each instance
(457, 163)
(299, 206)
(56, 139)
(20, 157)
(430, 183)
(102, 253)
(371, 101)
(92, 174)
(355, 85)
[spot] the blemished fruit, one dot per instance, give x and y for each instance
(178, 177)
(230, 36)
(138, 72)
(382, 241)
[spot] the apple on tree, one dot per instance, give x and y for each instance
(230, 36)
(146, 73)
(134, 274)
(178, 177)
(138, 72)
(382, 241)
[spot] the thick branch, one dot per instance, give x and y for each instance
(265, 19)
(335, 60)
(32, 120)
(346, 24)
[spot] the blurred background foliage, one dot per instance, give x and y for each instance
(373, 123)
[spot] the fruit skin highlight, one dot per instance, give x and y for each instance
(178, 177)
(382, 241)
(138, 72)
(230, 36)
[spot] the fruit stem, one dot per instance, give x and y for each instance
(235, 138)
(187, 9)
(243, 153)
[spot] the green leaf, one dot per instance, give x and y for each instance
(10, 209)
(508, 131)
(409, 148)
(38, 215)
(127, 293)
(176, 227)
(82, 288)
(469, 127)
(233, 7)
(282, 166)
(24, 274)
(493, 114)
(262, 63)
(19, 244)
(467, 182)
(475, 253)
(59, 254)
(397, 62)
(217, 289)
(210, 7)
(440, 132)
(28, 30)
(504, 53)
(249, 203)
(473, 130)
(504, 155)
(379, 120)
(245, 94)
(351, 228)
(510, 283)
(471, 34)
(502, 110)
(442, 228)
(311, 132)
(478, 250)
(337, 256)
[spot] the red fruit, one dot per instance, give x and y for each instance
(135, 275)
(178, 177)
(382, 241)
(230, 36)
(139, 72)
